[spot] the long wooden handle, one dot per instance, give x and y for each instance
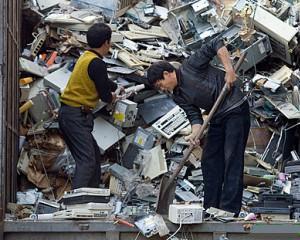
(206, 122)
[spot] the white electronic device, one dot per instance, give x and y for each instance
(147, 225)
(129, 90)
(172, 167)
(91, 206)
(200, 6)
(125, 113)
(186, 213)
(85, 195)
(91, 191)
(82, 214)
(172, 122)
(281, 34)
(187, 196)
(46, 4)
(154, 162)
(32, 67)
(143, 138)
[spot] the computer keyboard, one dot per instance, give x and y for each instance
(172, 122)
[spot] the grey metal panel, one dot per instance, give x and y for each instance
(107, 230)
(100, 226)
(131, 236)
(55, 236)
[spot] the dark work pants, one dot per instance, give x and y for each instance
(223, 160)
(76, 128)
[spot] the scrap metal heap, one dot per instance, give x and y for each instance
(142, 136)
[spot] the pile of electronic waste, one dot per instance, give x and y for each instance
(142, 136)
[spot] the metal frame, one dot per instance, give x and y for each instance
(9, 52)
(58, 230)
(2, 60)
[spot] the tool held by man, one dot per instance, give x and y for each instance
(168, 183)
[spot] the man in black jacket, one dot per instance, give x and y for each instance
(197, 84)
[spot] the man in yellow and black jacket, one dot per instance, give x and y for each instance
(88, 83)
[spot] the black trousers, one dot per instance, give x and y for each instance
(76, 128)
(223, 159)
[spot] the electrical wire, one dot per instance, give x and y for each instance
(254, 65)
(43, 165)
(35, 36)
(192, 235)
(295, 125)
(274, 154)
(180, 225)
(183, 234)
(137, 236)
(253, 138)
(119, 152)
(37, 146)
(175, 231)
(254, 12)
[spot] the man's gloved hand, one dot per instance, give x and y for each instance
(192, 138)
